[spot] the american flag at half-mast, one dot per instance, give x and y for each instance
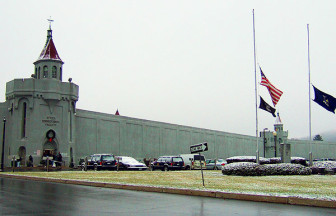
(274, 92)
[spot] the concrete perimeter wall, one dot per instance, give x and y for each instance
(106, 133)
(139, 138)
(320, 149)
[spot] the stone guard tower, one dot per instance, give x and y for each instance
(272, 140)
(41, 111)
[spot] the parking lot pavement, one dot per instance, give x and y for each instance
(26, 197)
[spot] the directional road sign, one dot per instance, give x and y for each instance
(199, 147)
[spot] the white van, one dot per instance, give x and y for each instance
(192, 161)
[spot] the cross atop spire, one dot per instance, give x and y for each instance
(49, 30)
(50, 21)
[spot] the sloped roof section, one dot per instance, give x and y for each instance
(49, 51)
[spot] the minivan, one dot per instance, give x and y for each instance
(193, 161)
(166, 163)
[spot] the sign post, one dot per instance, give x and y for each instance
(198, 148)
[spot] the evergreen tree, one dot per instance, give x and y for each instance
(318, 137)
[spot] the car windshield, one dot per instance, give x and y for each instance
(161, 159)
(95, 158)
(177, 159)
(198, 157)
(129, 160)
(107, 157)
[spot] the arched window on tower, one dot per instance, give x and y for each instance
(54, 72)
(61, 73)
(39, 73)
(24, 120)
(45, 71)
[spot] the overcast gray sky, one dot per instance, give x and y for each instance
(183, 62)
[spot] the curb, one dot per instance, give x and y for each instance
(191, 192)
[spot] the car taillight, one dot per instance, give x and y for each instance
(101, 163)
(116, 163)
(223, 164)
(171, 164)
(192, 163)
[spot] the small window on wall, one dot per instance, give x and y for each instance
(54, 72)
(45, 71)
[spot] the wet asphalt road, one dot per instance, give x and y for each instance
(23, 197)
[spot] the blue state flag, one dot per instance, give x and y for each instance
(325, 100)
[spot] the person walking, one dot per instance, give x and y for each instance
(30, 161)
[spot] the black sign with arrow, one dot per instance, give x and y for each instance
(199, 148)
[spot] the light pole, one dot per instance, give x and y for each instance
(264, 142)
(3, 144)
(275, 141)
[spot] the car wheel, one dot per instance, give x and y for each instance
(165, 168)
(187, 167)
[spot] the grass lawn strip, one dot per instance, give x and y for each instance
(312, 186)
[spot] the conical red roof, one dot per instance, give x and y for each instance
(49, 51)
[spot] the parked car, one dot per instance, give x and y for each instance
(129, 163)
(210, 164)
(166, 163)
(100, 161)
(193, 161)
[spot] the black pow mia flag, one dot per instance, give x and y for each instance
(265, 106)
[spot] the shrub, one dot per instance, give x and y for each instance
(284, 169)
(240, 169)
(274, 160)
(252, 159)
(330, 166)
(253, 169)
(299, 160)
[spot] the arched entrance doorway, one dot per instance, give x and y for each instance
(49, 148)
(22, 156)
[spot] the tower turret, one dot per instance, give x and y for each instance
(49, 64)
(278, 126)
(280, 135)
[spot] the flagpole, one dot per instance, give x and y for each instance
(310, 143)
(255, 87)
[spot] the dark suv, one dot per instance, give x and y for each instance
(100, 161)
(166, 163)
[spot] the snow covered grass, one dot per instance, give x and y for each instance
(312, 186)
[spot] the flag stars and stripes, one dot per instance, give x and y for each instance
(274, 92)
